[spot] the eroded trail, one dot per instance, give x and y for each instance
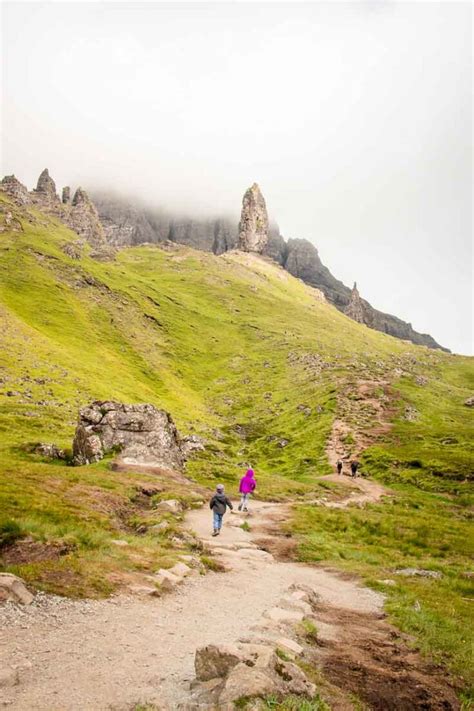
(113, 654)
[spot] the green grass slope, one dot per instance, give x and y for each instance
(256, 363)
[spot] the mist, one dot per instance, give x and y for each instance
(354, 118)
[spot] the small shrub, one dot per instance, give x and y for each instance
(212, 564)
(10, 531)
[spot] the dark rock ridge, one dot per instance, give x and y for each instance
(126, 223)
(253, 225)
(141, 433)
(111, 221)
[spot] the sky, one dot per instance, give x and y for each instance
(354, 118)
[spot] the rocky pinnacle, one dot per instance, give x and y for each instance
(46, 184)
(253, 226)
(355, 307)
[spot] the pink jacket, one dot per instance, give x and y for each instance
(247, 483)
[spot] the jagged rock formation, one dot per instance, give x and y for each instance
(15, 189)
(253, 226)
(142, 433)
(46, 186)
(355, 307)
(110, 221)
(83, 218)
(303, 262)
(80, 215)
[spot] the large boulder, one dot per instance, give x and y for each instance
(141, 433)
(245, 670)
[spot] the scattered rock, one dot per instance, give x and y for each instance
(9, 677)
(192, 443)
(74, 250)
(159, 527)
(50, 450)
(119, 542)
(142, 433)
(421, 380)
(419, 572)
(290, 647)
(295, 681)
(305, 409)
(279, 614)
(243, 682)
(469, 402)
(411, 414)
(14, 588)
(181, 570)
(169, 506)
(215, 661)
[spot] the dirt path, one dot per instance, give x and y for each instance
(79, 656)
(111, 654)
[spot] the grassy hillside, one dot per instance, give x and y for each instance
(257, 364)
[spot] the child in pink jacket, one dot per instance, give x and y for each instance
(246, 487)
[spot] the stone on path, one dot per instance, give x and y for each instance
(289, 646)
(278, 614)
(13, 588)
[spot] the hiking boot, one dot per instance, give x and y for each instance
(240, 507)
(246, 510)
(216, 532)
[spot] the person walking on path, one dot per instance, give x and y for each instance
(218, 505)
(339, 466)
(354, 467)
(246, 487)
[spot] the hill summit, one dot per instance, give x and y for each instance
(108, 221)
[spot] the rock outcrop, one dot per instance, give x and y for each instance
(13, 588)
(83, 218)
(141, 433)
(15, 189)
(80, 215)
(355, 307)
(225, 674)
(46, 185)
(253, 226)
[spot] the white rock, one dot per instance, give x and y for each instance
(119, 542)
(290, 647)
(169, 506)
(181, 570)
(278, 614)
(13, 588)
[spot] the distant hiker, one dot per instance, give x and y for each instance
(354, 467)
(218, 506)
(246, 487)
(339, 466)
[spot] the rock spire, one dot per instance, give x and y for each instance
(355, 307)
(46, 184)
(253, 226)
(15, 189)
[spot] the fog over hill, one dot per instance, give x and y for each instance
(355, 119)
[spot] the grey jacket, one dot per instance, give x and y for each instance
(219, 502)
